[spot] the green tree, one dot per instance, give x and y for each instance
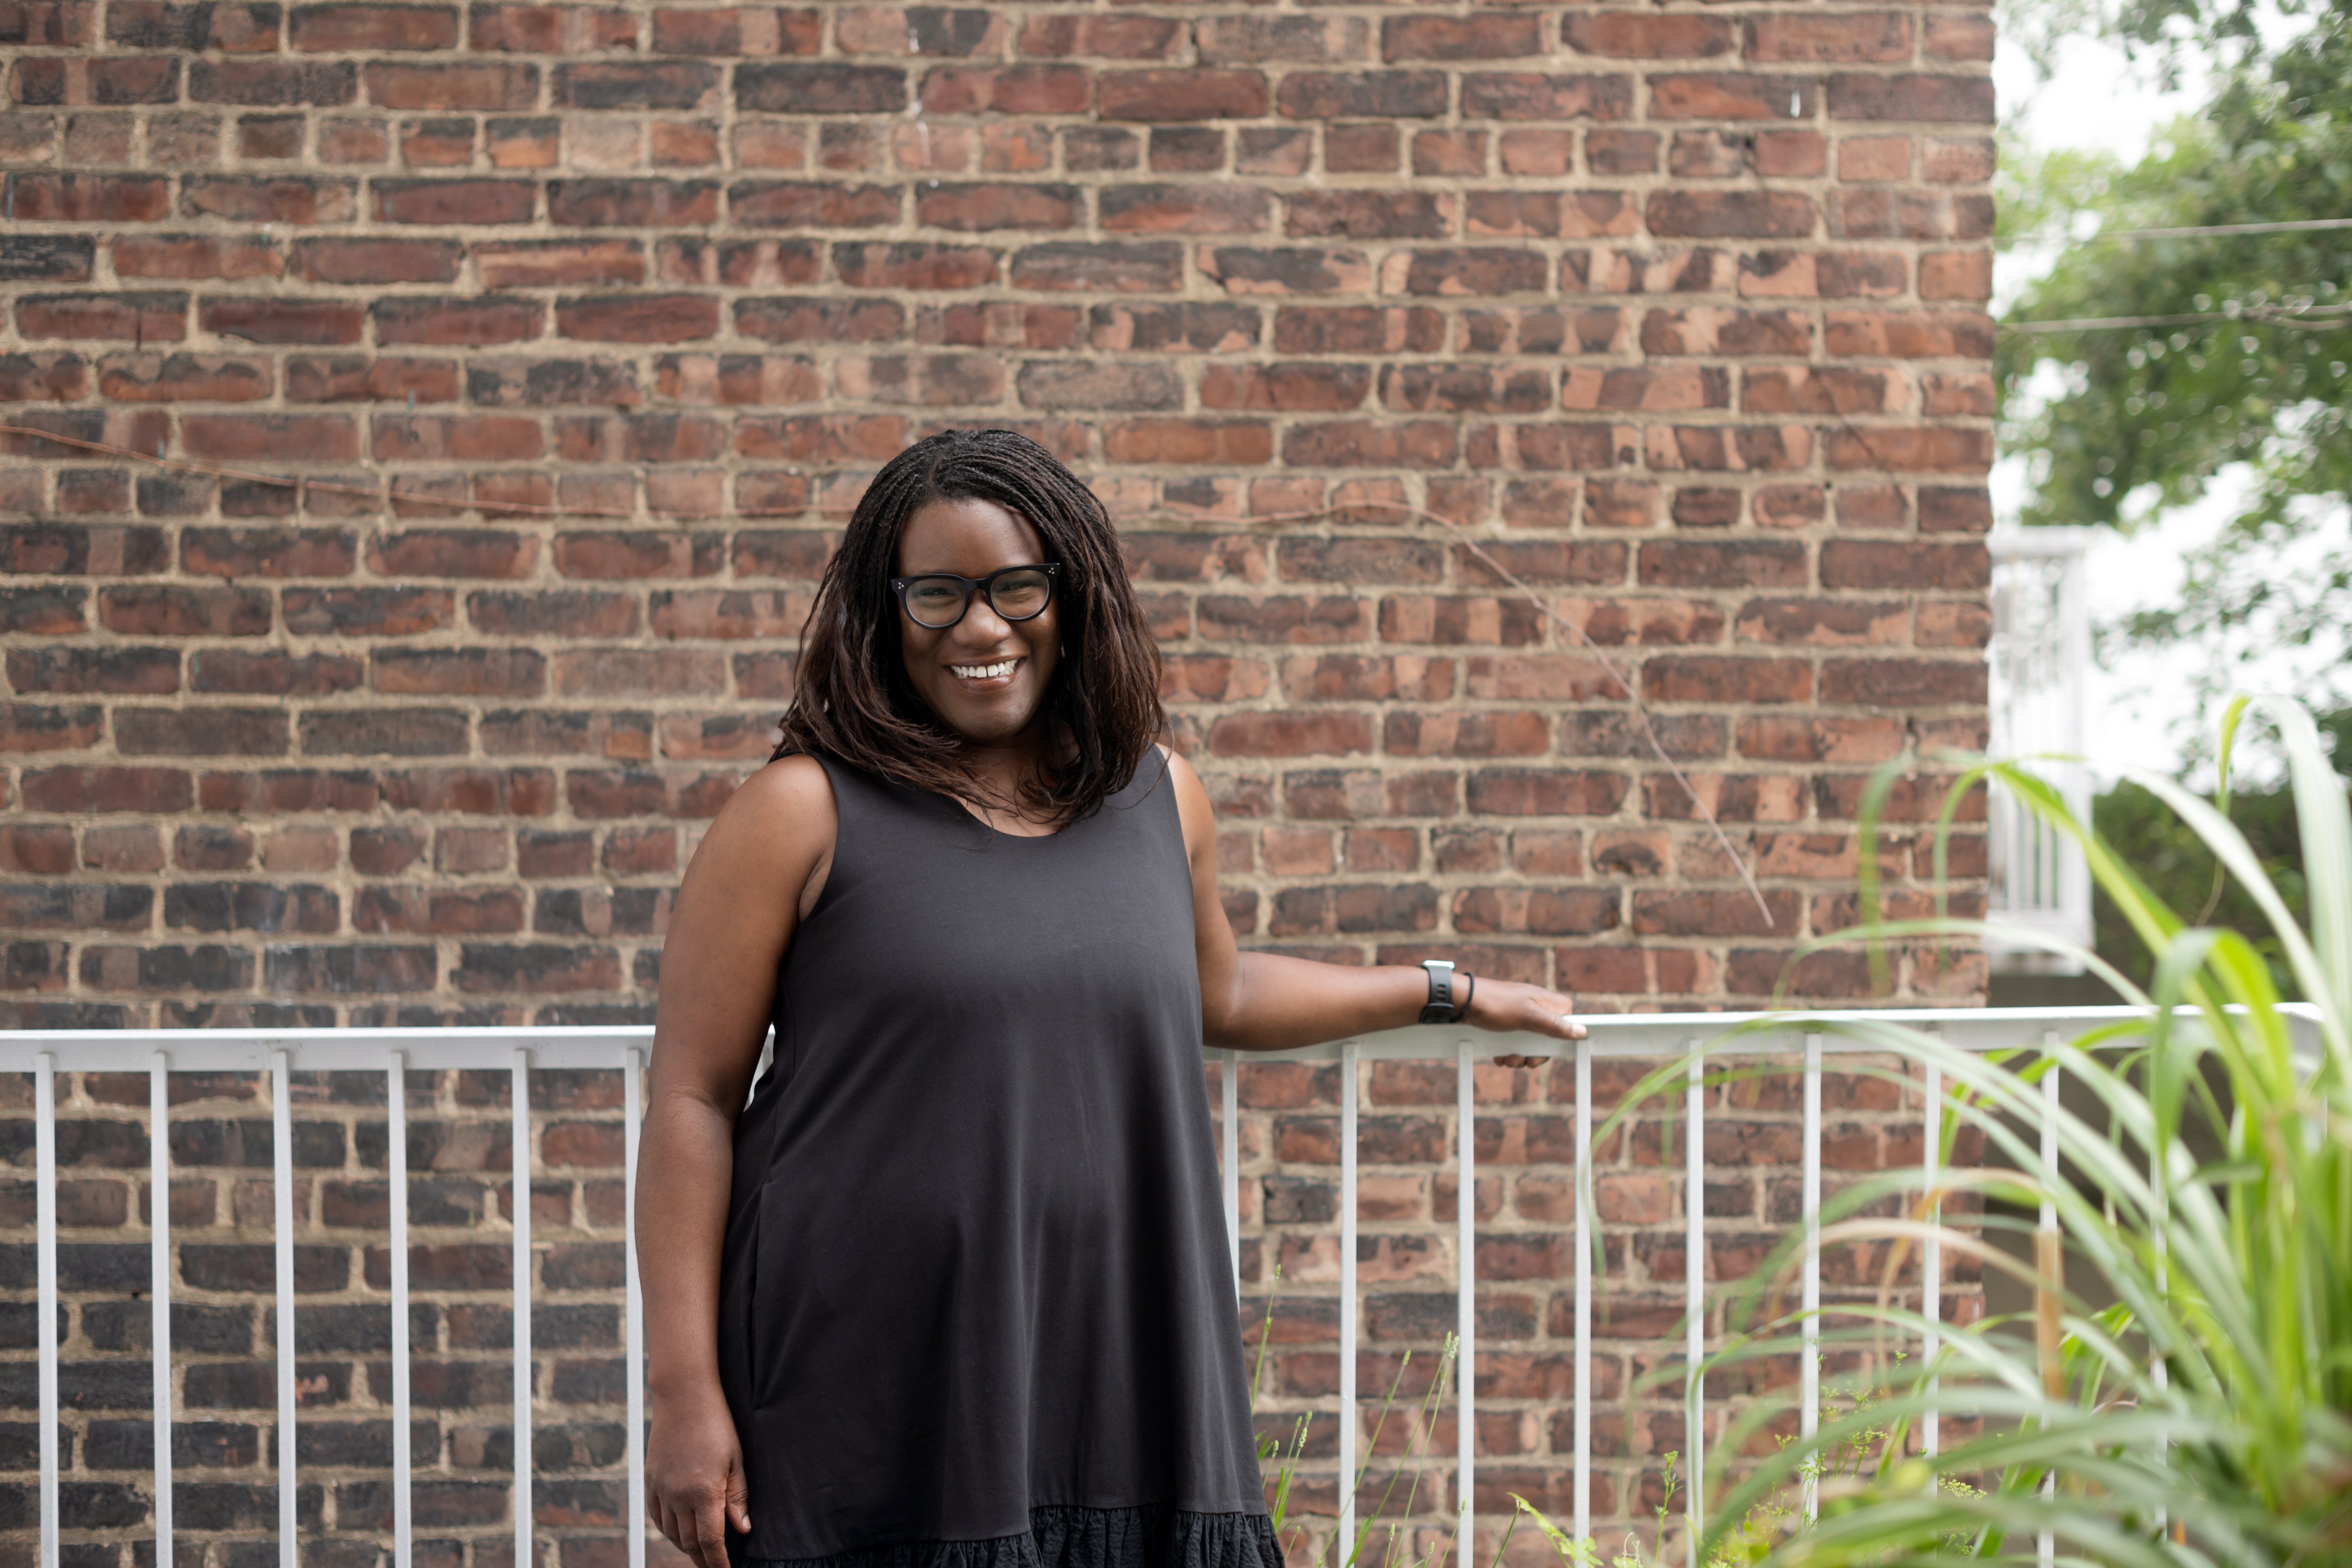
(2234, 352)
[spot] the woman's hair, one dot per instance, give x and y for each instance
(852, 701)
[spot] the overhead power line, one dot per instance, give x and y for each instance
(2288, 226)
(2267, 315)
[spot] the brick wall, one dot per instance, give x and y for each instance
(1679, 310)
(1675, 310)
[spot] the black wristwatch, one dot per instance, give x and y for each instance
(1440, 1007)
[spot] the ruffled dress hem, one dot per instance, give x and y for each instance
(1151, 1535)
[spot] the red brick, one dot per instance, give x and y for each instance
(552, 29)
(88, 198)
(1007, 90)
(263, 82)
(1845, 37)
(1180, 95)
(1907, 335)
(408, 437)
(453, 86)
(795, 204)
(476, 321)
(357, 380)
(281, 321)
(233, 436)
(267, 198)
(450, 202)
(738, 30)
(1369, 214)
(175, 378)
(1248, 39)
(1741, 214)
(345, 29)
(1930, 448)
(1528, 95)
(38, 80)
(632, 203)
(1633, 35)
(140, 318)
(1186, 209)
(829, 88)
(1921, 98)
(638, 318)
(377, 260)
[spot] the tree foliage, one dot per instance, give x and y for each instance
(2245, 371)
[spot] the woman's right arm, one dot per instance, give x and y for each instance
(757, 872)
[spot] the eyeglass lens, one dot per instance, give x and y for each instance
(936, 602)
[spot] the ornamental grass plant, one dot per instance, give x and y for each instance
(2179, 1393)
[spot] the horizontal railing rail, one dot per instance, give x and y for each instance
(394, 1052)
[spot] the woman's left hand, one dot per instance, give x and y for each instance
(1510, 1006)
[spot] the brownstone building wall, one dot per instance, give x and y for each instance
(577, 328)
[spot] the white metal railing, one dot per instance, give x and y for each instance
(2037, 702)
(521, 1051)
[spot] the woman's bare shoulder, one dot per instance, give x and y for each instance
(1192, 808)
(781, 817)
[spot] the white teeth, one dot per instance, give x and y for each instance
(984, 671)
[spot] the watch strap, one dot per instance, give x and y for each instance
(1439, 1007)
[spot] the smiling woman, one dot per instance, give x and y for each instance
(950, 1289)
(968, 504)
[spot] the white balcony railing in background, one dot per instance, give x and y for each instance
(523, 1051)
(2037, 701)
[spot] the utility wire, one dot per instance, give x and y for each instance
(2269, 315)
(2288, 226)
(2191, 231)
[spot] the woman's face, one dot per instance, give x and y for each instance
(985, 677)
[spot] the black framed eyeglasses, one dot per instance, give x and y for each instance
(938, 600)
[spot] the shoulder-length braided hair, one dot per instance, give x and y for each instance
(852, 701)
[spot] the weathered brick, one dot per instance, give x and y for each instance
(342, 28)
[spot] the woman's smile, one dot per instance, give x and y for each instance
(993, 676)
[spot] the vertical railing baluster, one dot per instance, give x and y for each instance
(1809, 1368)
(159, 1288)
(1465, 1306)
(1347, 1056)
(1695, 1292)
(395, 1136)
(1229, 1096)
(2050, 1259)
(1587, 1237)
(634, 1327)
(2159, 1368)
(1931, 1252)
(523, 1382)
(281, 1121)
(45, 1268)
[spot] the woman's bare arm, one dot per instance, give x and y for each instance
(757, 871)
(1266, 1002)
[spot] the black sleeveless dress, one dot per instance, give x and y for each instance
(975, 1306)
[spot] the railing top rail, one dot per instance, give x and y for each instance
(1659, 1034)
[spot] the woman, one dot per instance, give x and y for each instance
(951, 1289)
